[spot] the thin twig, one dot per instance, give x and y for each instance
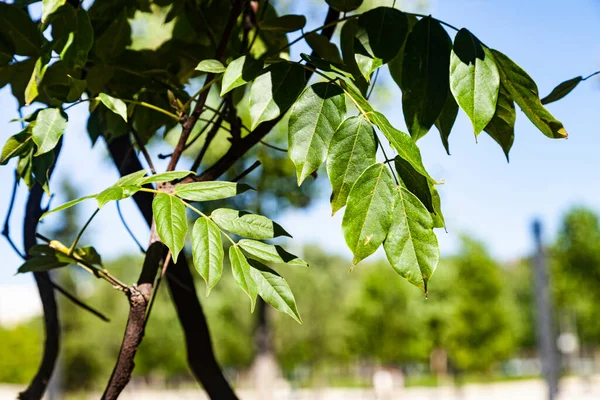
(122, 217)
(247, 171)
(273, 147)
(373, 84)
(435, 19)
(143, 149)
(6, 229)
(74, 244)
(76, 301)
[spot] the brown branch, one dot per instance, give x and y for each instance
(200, 355)
(33, 211)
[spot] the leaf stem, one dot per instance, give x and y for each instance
(387, 160)
(591, 75)
(74, 244)
(199, 92)
(152, 107)
(201, 214)
(435, 19)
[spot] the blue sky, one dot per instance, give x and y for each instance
(482, 194)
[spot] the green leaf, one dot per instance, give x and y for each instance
(324, 65)
(112, 43)
(313, 121)
(239, 72)
(24, 168)
(382, 32)
(274, 91)
(344, 5)
(76, 89)
(411, 246)
(213, 66)
(133, 179)
(68, 204)
(17, 145)
(49, 127)
(502, 127)
(115, 105)
(171, 222)
(437, 215)
(39, 70)
(352, 150)
(206, 191)
(285, 23)
(425, 80)
(562, 90)
(115, 193)
(166, 177)
(395, 65)
(474, 79)
(323, 47)
(241, 273)
(350, 46)
(270, 253)
(49, 7)
(41, 263)
(17, 28)
(207, 251)
(414, 182)
(245, 224)
(445, 121)
(274, 290)
(368, 213)
(73, 35)
(88, 254)
(523, 90)
(40, 166)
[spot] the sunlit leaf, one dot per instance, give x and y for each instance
(49, 127)
(88, 254)
(313, 121)
(207, 251)
(474, 79)
(214, 66)
(245, 224)
(241, 272)
(270, 253)
(411, 245)
(352, 150)
(239, 72)
(523, 90)
(115, 105)
(49, 7)
(274, 91)
(133, 179)
(212, 190)
(274, 289)
(17, 145)
(171, 222)
(166, 177)
(368, 214)
(115, 193)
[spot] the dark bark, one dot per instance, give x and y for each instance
(181, 285)
(33, 211)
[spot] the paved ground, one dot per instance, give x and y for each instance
(572, 389)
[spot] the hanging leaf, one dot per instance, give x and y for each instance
(274, 91)
(115, 105)
(213, 66)
(274, 289)
(113, 42)
(352, 150)
(171, 222)
(445, 121)
(17, 28)
(502, 127)
(474, 79)
(39, 70)
(41, 263)
(24, 168)
(239, 72)
(382, 32)
(68, 204)
(368, 213)
(206, 191)
(285, 23)
(245, 224)
(270, 253)
(414, 182)
(40, 167)
(325, 65)
(323, 47)
(115, 193)
(17, 145)
(425, 81)
(437, 215)
(73, 35)
(49, 127)
(344, 5)
(313, 121)
(523, 90)
(241, 273)
(49, 7)
(395, 65)
(350, 46)
(411, 245)
(207, 251)
(562, 90)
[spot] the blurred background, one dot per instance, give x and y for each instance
(498, 293)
